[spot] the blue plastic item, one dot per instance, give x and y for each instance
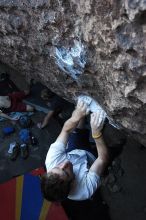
(24, 135)
(8, 130)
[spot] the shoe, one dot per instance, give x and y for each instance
(24, 151)
(13, 151)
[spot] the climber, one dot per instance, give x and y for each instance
(56, 105)
(13, 103)
(72, 170)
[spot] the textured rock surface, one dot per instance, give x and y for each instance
(86, 46)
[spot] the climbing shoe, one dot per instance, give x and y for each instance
(24, 151)
(13, 151)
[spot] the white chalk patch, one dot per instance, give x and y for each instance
(71, 60)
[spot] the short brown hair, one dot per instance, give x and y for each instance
(54, 188)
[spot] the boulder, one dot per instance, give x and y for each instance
(74, 47)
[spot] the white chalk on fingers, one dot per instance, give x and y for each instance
(86, 99)
(79, 102)
(87, 111)
(96, 108)
(100, 119)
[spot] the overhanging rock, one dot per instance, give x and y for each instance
(91, 47)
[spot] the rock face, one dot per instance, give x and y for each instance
(92, 47)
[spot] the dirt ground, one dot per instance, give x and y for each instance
(37, 153)
(129, 202)
(124, 190)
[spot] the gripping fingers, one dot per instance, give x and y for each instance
(80, 104)
(87, 111)
(92, 117)
(101, 119)
(97, 119)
